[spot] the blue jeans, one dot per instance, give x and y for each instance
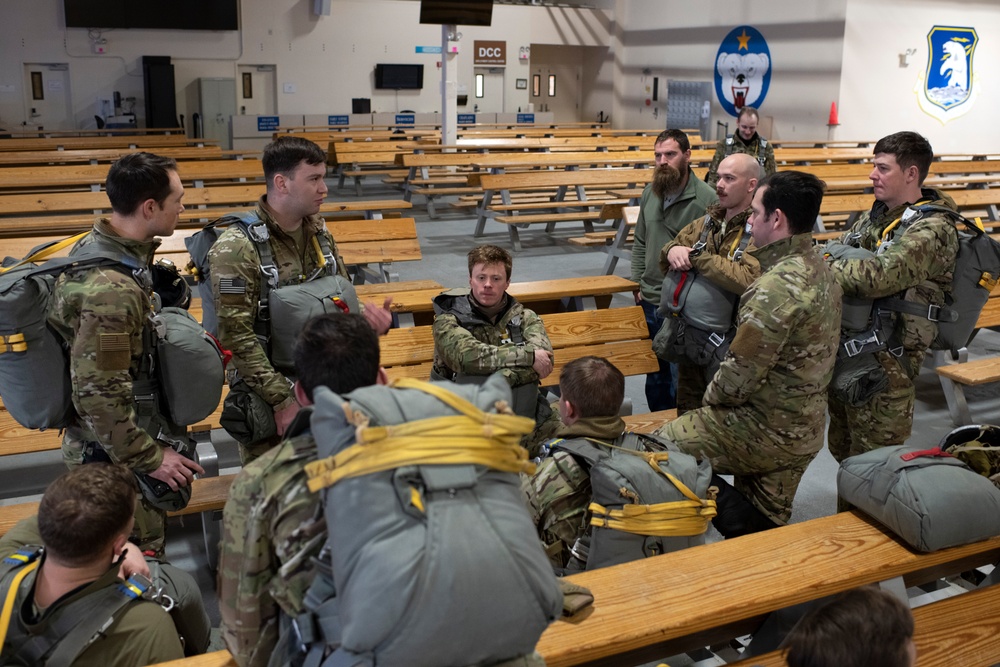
(661, 392)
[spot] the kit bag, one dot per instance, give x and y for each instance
(34, 364)
(927, 497)
(191, 369)
(434, 558)
(645, 500)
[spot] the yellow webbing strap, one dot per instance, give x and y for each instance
(888, 230)
(674, 519)
(8, 604)
(320, 257)
(13, 343)
(472, 437)
(736, 244)
(45, 253)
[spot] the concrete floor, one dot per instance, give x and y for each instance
(444, 242)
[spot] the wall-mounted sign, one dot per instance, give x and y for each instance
(405, 119)
(428, 49)
(742, 70)
(337, 120)
(267, 123)
(525, 118)
(948, 88)
(466, 119)
(489, 53)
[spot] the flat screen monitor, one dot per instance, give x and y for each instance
(150, 15)
(456, 12)
(399, 77)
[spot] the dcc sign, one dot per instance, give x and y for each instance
(489, 53)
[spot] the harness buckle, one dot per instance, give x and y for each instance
(933, 313)
(715, 339)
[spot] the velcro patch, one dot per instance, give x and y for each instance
(232, 286)
(746, 342)
(114, 352)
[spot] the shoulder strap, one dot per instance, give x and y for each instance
(15, 568)
(706, 229)
(515, 327)
(737, 253)
(324, 254)
(81, 623)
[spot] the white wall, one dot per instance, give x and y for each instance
(877, 95)
(328, 59)
(678, 40)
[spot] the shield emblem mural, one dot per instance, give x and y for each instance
(948, 87)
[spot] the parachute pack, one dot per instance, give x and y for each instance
(282, 310)
(432, 557)
(645, 500)
(34, 362)
(977, 270)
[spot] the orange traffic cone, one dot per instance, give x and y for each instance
(833, 115)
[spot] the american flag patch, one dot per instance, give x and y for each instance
(232, 286)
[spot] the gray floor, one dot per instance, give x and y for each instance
(444, 242)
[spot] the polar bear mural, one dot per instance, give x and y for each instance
(742, 76)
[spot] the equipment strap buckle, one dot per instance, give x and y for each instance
(856, 346)
(270, 273)
(716, 340)
(933, 313)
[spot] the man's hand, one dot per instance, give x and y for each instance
(679, 258)
(134, 563)
(543, 363)
(379, 318)
(638, 297)
(284, 417)
(176, 470)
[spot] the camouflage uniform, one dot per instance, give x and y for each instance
(919, 263)
(657, 225)
(143, 634)
(483, 347)
(715, 263)
(272, 528)
(736, 144)
(765, 409)
(558, 493)
(101, 313)
(234, 257)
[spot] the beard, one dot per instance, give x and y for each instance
(666, 180)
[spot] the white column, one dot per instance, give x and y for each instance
(449, 85)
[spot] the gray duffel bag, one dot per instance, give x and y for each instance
(927, 497)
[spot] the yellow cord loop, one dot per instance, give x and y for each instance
(45, 253)
(680, 518)
(472, 437)
(320, 257)
(8, 604)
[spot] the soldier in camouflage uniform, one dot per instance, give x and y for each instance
(558, 493)
(765, 409)
(294, 169)
(272, 524)
(718, 260)
(674, 198)
(100, 313)
(918, 264)
(744, 140)
(483, 330)
(84, 516)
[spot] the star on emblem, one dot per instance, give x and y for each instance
(744, 41)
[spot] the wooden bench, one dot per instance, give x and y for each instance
(618, 334)
(414, 306)
(666, 605)
(670, 604)
(96, 155)
(196, 172)
(554, 186)
(149, 142)
(357, 159)
(961, 630)
(71, 212)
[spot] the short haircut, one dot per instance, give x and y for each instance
(336, 350)
(797, 194)
(748, 111)
(910, 150)
(490, 254)
(862, 627)
(284, 154)
(677, 135)
(84, 510)
(593, 385)
(136, 177)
